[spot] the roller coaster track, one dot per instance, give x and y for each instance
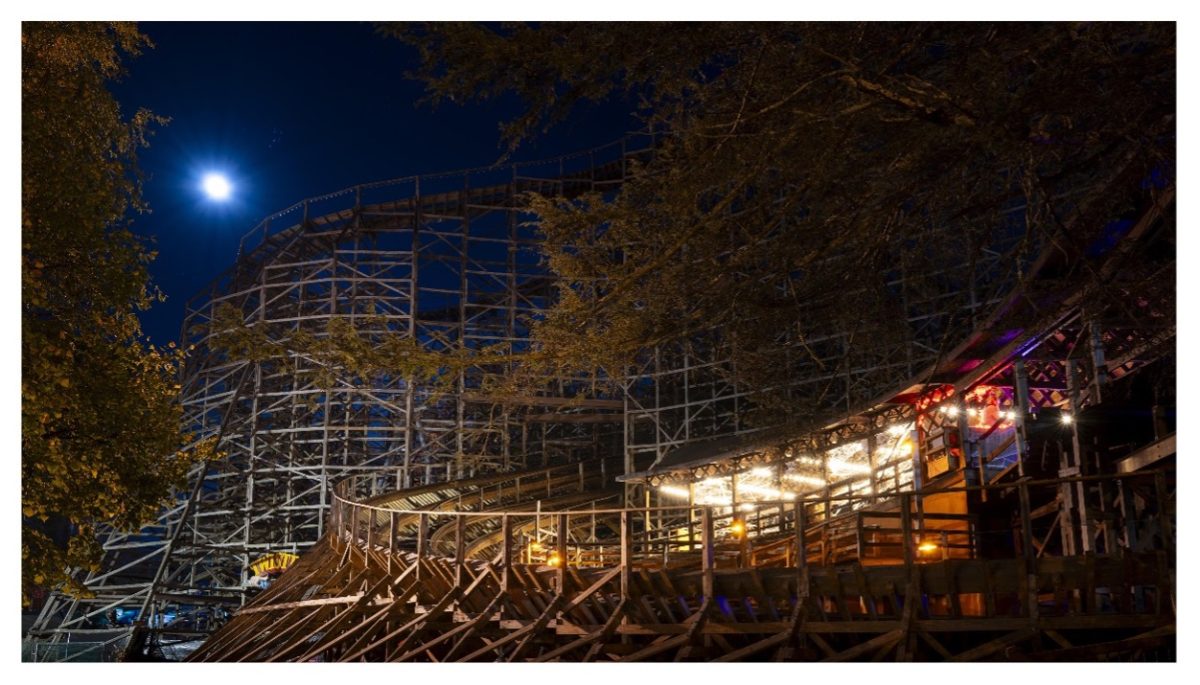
(538, 566)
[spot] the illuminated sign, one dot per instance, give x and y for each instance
(273, 563)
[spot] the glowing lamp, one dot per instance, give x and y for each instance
(554, 559)
(927, 547)
(1066, 419)
(738, 528)
(535, 546)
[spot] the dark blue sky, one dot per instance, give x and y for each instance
(289, 111)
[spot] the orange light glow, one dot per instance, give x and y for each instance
(927, 547)
(554, 560)
(738, 528)
(905, 447)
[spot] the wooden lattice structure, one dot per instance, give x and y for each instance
(470, 583)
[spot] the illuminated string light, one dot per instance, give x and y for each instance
(1066, 419)
(806, 480)
(673, 491)
(770, 493)
(844, 467)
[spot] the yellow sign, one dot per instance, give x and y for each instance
(275, 561)
(938, 464)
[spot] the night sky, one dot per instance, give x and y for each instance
(288, 111)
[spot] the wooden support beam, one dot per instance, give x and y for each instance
(596, 638)
(466, 630)
(934, 643)
(695, 622)
(887, 639)
(561, 534)
(533, 627)
(1148, 640)
(505, 551)
(413, 627)
(993, 646)
(755, 648)
(332, 624)
(708, 560)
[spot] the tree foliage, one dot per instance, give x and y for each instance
(810, 183)
(101, 443)
(802, 166)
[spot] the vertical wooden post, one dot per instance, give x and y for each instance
(1099, 368)
(506, 550)
(560, 541)
(1030, 585)
(646, 520)
(918, 471)
(460, 548)
(873, 464)
(1164, 516)
(964, 435)
(370, 537)
(906, 532)
(625, 554)
(422, 540)
(983, 479)
(1078, 467)
(1128, 514)
(1026, 524)
(1021, 390)
(858, 535)
(391, 539)
(801, 551)
(709, 558)
(691, 517)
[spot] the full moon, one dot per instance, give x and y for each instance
(216, 186)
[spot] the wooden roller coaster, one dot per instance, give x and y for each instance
(531, 567)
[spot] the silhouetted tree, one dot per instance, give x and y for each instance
(100, 420)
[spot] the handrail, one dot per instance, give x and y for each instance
(654, 535)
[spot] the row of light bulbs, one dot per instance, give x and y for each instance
(1008, 415)
(952, 411)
